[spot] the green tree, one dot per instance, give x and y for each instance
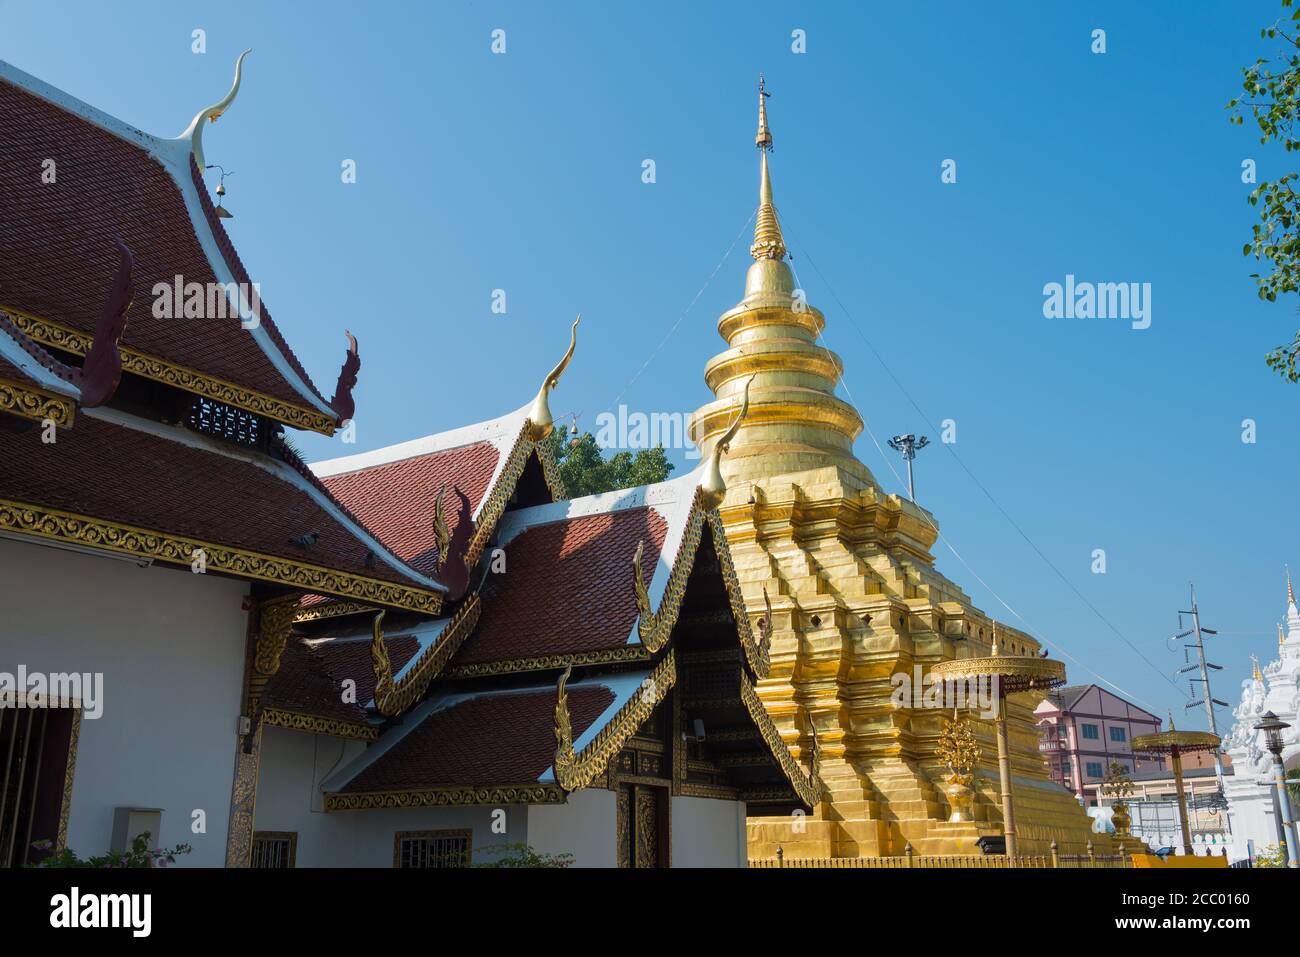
(586, 471)
(1271, 97)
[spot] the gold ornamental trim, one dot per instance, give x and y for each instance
(499, 495)
(809, 786)
(757, 651)
(274, 624)
(619, 655)
(59, 526)
(316, 724)
(333, 609)
(32, 402)
(169, 373)
(392, 698)
(65, 801)
(445, 797)
(575, 770)
(654, 627)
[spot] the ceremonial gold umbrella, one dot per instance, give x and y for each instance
(1176, 743)
(1009, 674)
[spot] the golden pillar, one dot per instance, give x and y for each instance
(856, 599)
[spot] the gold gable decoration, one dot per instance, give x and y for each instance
(392, 698)
(575, 770)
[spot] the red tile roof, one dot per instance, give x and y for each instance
(395, 500)
(567, 587)
(132, 477)
(57, 257)
(489, 739)
(310, 679)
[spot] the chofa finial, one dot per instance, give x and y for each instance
(540, 422)
(712, 484)
(194, 132)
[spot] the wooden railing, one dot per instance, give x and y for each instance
(911, 859)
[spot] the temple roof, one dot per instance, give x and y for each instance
(114, 181)
(122, 483)
(394, 489)
(485, 738)
(569, 588)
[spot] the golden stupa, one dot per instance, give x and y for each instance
(855, 597)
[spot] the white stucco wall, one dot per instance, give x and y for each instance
(170, 645)
(708, 833)
(289, 799)
(586, 826)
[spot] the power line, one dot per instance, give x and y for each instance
(879, 358)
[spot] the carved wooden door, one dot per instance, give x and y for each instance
(642, 826)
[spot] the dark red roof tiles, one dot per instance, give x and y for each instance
(505, 738)
(123, 475)
(310, 679)
(57, 258)
(567, 587)
(395, 500)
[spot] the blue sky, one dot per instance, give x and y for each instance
(523, 172)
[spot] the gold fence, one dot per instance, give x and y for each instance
(973, 861)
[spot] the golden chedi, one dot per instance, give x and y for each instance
(855, 597)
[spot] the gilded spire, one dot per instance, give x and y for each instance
(1254, 669)
(1290, 592)
(768, 243)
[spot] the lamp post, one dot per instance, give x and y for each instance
(1176, 743)
(1009, 674)
(908, 445)
(1273, 726)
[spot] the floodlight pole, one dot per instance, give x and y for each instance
(908, 445)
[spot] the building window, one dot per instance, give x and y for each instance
(1117, 734)
(1093, 769)
(38, 752)
(1090, 731)
(274, 849)
(432, 848)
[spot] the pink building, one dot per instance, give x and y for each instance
(1082, 729)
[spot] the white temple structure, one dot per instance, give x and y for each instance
(1275, 688)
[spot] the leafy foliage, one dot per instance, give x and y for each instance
(138, 856)
(586, 471)
(522, 855)
(1270, 856)
(1272, 98)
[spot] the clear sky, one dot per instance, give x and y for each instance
(522, 171)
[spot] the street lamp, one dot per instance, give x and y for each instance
(909, 445)
(1273, 726)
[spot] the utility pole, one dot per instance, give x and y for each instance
(909, 445)
(1208, 700)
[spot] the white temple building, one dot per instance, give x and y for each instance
(1274, 688)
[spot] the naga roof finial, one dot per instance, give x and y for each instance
(712, 485)
(540, 422)
(210, 114)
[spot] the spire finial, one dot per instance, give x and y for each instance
(1290, 592)
(768, 242)
(1254, 669)
(764, 138)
